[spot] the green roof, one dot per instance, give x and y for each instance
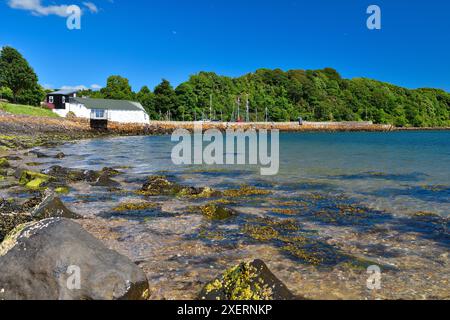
(108, 104)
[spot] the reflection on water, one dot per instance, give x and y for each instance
(341, 202)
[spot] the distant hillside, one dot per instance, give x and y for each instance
(315, 95)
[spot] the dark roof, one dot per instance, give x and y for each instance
(64, 92)
(108, 104)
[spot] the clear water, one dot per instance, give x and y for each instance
(355, 196)
(403, 172)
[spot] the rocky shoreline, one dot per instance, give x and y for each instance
(40, 235)
(47, 131)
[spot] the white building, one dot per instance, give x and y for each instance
(105, 110)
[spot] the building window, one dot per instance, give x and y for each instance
(63, 100)
(50, 99)
(98, 114)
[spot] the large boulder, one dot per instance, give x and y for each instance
(247, 281)
(56, 259)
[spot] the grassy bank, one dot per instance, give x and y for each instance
(27, 110)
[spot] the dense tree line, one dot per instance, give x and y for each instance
(18, 81)
(275, 95)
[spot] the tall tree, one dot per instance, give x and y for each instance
(165, 99)
(117, 88)
(146, 97)
(17, 75)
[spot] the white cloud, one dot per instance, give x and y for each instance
(79, 87)
(37, 8)
(91, 7)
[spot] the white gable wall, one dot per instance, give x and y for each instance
(121, 116)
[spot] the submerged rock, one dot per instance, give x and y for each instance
(217, 212)
(160, 186)
(71, 264)
(60, 155)
(261, 233)
(247, 281)
(246, 191)
(39, 154)
(135, 206)
(199, 193)
(110, 171)
(50, 207)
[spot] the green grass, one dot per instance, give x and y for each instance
(27, 110)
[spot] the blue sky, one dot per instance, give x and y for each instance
(149, 40)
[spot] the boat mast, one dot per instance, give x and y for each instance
(247, 117)
(210, 106)
(238, 108)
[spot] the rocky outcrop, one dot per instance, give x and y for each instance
(247, 281)
(71, 175)
(99, 179)
(55, 259)
(52, 207)
(105, 181)
(162, 186)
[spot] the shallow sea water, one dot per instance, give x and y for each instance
(340, 203)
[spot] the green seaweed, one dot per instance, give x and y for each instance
(134, 206)
(4, 163)
(33, 180)
(245, 191)
(62, 190)
(261, 233)
(241, 283)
